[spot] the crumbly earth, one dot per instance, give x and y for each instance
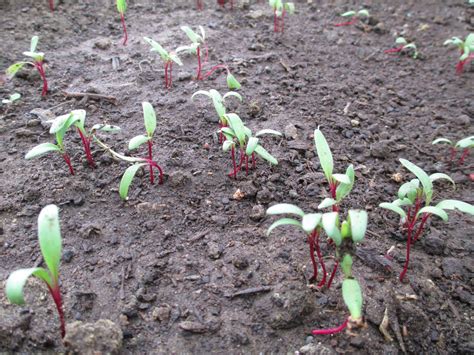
(167, 264)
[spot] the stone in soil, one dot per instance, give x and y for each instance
(103, 336)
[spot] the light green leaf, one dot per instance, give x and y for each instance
(442, 140)
(232, 93)
(423, 177)
(37, 56)
(228, 132)
(433, 210)
(14, 68)
(137, 141)
(281, 222)
(403, 202)
(238, 127)
(352, 295)
(49, 235)
(455, 204)
(285, 208)
(437, 176)
(330, 223)
(290, 7)
(310, 221)
(267, 131)
(218, 102)
(348, 14)
(156, 47)
(343, 190)
(251, 145)
(342, 178)
(265, 155)
(227, 145)
(33, 43)
(105, 128)
(42, 149)
(232, 82)
(150, 118)
(346, 266)
(174, 57)
(121, 6)
(409, 189)
(127, 179)
(193, 36)
(327, 202)
(466, 143)
(324, 154)
(358, 220)
(17, 280)
(393, 208)
(401, 40)
(363, 13)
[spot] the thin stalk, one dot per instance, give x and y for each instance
(420, 227)
(254, 161)
(51, 5)
(56, 294)
(150, 157)
(282, 20)
(407, 261)
(321, 261)
(87, 148)
(332, 189)
(452, 155)
(311, 238)
(394, 50)
(333, 273)
(170, 69)
(40, 68)
(331, 330)
(346, 23)
(275, 21)
(233, 162)
(214, 68)
(166, 74)
(68, 162)
(160, 171)
(246, 165)
(125, 34)
(199, 5)
(465, 154)
(198, 75)
(221, 135)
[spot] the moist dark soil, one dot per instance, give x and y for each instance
(185, 267)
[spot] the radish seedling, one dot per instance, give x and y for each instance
(416, 199)
(38, 59)
(49, 235)
(168, 59)
(464, 144)
(195, 47)
(345, 236)
(11, 99)
(218, 102)
(232, 82)
(122, 7)
(466, 48)
(280, 8)
(340, 185)
(404, 46)
(238, 134)
(354, 16)
(149, 117)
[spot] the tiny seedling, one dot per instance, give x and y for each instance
(466, 48)
(280, 8)
(238, 134)
(354, 16)
(465, 144)
(122, 7)
(149, 117)
(416, 196)
(195, 48)
(340, 185)
(232, 82)
(11, 99)
(38, 59)
(168, 59)
(218, 101)
(49, 235)
(345, 236)
(404, 46)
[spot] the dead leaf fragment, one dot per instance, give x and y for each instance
(397, 177)
(238, 195)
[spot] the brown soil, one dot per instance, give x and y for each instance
(166, 265)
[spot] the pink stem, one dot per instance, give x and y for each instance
(394, 50)
(221, 135)
(56, 294)
(321, 261)
(332, 189)
(68, 162)
(155, 165)
(346, 23)
(51, 5)
(275, 21)
(213, 69)
(170, 69)
(254, 161)
(233, 162)
(125, 35)
(87, 148)
(420, 228)
(333, 274)
(166, 74)
(40, 68)
(331, 330)
(246, 164)
(311, 238)
(282, 20)
(150, 157)
(199, 5)
(198, 75)
(465, 154)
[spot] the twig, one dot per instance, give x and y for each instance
(90, 95)
(251, 291)
(199, 236)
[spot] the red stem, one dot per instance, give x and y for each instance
(170, 70)
(56, 294)
(199, 5)
(166, 74)
(275, 21)
(254, 161)
(311, 238)
(214, 68)
(40, 68)
(51, 5)
(155, 165)
(394, 50)
(87, 148)
(198, 75)
(246, 164)
(221, 135)
(68, 162)
(125, 35)
(465, 154)
(331, 330)
(332, 189)
(321, 261)
(233, 162)
(333, 274)
(282, 20)
(346, 23)
(150, 157)
(420, 228)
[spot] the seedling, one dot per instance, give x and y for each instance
(150, 126)
(38, 59)
(122, 7)
(218, 102)
(232, 82)
(280, 8)
(466, 48)
(354, 16)
(195, 47)
(51, 5)
(340, 185)
(49, 235)
(11, 99)
(168, 59)
(345, 236)
(417, 199)
(238, 134)
(404, 46)
(464, 144)
(199, 5)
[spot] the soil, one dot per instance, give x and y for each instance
(170, 264)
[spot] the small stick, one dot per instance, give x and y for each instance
(251, 291)
(90, 95)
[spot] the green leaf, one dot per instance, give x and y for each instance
(174, 57)
(17, 280)
(127, 179)
(363, 13)
(401, 40)
(121, 6)
(79, 119)
(228, 132)
(455, 204)
(310, 221)
(33, 43)
(49, 235)
(150, 118)
(232, 93)
(265, 155)
(267, 131)
(14, 68)
(437, 176)
(238, 126)
(42, 149)
(433, 210)
(466, 143)
(37, 56)
(342, 178)
(348, 14)
(330, 223)
(232, 82)
(442, 140)
(352, 295)
(327, 202)
(423, 177)
(346, 266)
(218, 102)
(156, 47)
(358, 220)
(403, 202)
(227, 145)
(251, 145)
(14, 97)
(290, 7)
(324, 153)
(281, 222)
(409, 189)
(105, 128)
(285, 208)
(193, 36)
(343, 190)
(394, 208)
(137, 141)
